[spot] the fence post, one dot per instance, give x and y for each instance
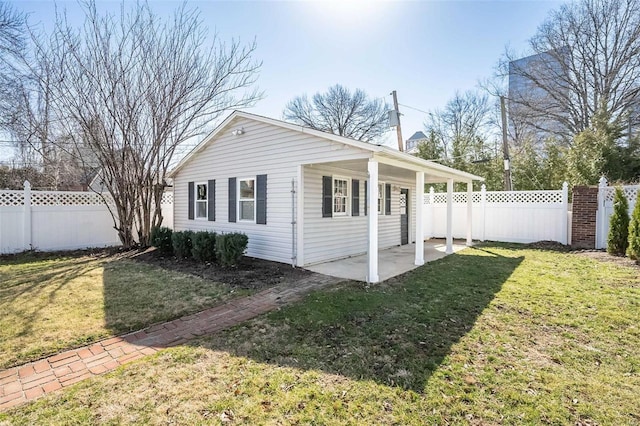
(483, 208)
(601, 213)
(26, 218)
(431, 195)
(565, 213)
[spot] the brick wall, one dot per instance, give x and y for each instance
(583, 223)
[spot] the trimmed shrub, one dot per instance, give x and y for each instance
(203, 246)
(161, 239)
(182, 243)
(618, 238)
(230, 248)
(633, 251)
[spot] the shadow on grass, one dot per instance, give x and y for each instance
(396, 333)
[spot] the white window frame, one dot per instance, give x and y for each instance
(347, 197)
(381, 205)
(197, 201)
(240, 199)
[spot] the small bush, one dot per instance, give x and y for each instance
(182, 243)
(633, 250)
(204, 246)
(230, 248)
(618, 238)
(161, 239)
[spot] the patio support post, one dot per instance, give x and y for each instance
(469, 212)
(419, 218)
(449, 248)
(372, 275)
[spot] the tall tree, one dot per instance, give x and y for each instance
(462, 127)
(131, 88)
(586, 59)
(341, 112)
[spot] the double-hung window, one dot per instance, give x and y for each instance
(340, 196)
(201, 201)
(247, 199)
(380, 198)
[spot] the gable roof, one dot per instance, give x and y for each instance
(381, 149)
(417, 135)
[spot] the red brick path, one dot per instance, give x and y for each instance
(26, 382)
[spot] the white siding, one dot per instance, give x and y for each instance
(262, 149)
(329, 238)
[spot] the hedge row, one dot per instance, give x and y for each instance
(203, 246)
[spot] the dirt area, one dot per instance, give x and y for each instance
(603, 256)
(250, 273)
(600, 255)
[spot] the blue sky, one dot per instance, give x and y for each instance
(425, 50)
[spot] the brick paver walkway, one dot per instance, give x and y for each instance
(29, 381)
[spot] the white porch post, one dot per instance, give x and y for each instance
(372, 275)
(419, 218)
(449, 248)
(469, 212)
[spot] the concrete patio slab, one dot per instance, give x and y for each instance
(391, 262)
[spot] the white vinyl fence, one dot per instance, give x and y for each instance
(59, 220)
(605, 208)
(508, 216)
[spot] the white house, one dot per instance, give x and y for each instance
(411, 144)
(304, 196)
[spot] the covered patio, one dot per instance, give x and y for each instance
(393, 261)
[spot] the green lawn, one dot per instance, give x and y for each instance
(492, 335)
(48, 304)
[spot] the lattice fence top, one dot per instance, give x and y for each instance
(64, 198)
(11, 198)
(510, 197)
(533, 197)
(630, 191)
(167, 198)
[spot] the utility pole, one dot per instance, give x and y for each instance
(398, 129)
(505, 147)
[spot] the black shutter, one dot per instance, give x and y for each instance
(387, 199)
(261, 199)
(355, 197)
(232, 199)
(366, 201)
(211, 200)
(327, 197)
(191, 200)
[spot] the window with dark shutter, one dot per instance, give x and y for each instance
(191, 200)
(387, 199)
(327, 196)
(261, 199)
(355, 197)
(366, 202)
(211, 201)
(232, 199)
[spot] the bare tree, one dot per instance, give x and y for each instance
(463, 126)
(341, 112)
(584, 59)
(131, 88)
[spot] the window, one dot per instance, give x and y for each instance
(381, 198)
(247, 199)
(201, 200)
(340, 196)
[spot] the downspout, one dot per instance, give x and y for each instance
(293, 223)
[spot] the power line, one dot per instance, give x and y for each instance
(414, 108)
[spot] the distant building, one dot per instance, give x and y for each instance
(533, 110)
(411, 144)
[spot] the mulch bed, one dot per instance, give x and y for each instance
(250, 273)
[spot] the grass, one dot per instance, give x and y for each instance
(56, 303)
(492, 335)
